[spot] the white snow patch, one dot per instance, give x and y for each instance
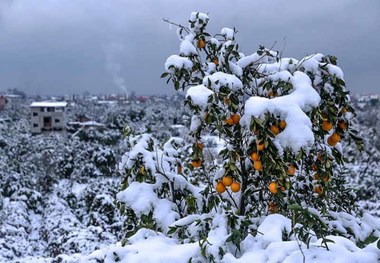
(199, 95)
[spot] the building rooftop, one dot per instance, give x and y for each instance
(49, 104)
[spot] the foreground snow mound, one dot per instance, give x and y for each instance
(267, 246)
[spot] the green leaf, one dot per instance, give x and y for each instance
(164, 74)
(172, 230)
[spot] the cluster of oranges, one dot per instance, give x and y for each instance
(227, 181)
(327, 125)
(278, 127)
(255, 156)
(233, 120)
(317, 176)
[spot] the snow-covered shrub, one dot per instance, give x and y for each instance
(281, 121)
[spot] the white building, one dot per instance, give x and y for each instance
(47, 116)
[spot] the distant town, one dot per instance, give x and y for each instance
(48, 113)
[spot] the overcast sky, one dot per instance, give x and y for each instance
(64, 47)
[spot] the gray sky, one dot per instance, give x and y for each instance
(63, 47)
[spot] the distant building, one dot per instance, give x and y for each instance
(9, 101)
(3, 102)
(13, 101)
(47, 116)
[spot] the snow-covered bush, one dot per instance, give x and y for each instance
(282, 121)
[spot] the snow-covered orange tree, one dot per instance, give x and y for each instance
(281, 121)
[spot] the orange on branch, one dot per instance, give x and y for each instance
(201, 43)
(282, 124)
(235, 118)
(291, 169)
(227, 180)
(196, 163)
(318, 189)
(333, 139)
(327, 125)
(272, 208)
(274, 129)
(258, 165)
(342, 124)
(255, 156)
(220, 187)
(229, 121)
(260, 146)
(273, 188)
(235, 187)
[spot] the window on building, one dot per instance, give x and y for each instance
(35, 124)
(35, 114)
(57, 120)
(42, 109)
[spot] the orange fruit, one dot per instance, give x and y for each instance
(216, 61)
(229, 121)
(325, 179)
(270, 93)
(220, 187)
(333, 139)
(258, 165)
(291, 169)
(272, 208)
(326, 125)
(179, 169)
(260, 146)
(314, 167)
(227, 180)
(342, 124)
(274, 129)
(255, 156)
(235, 187)
(282, 124)
(235, 118)
(201, 43)
(226, 101)
(196, 163)
(273, 188)
(318, 189)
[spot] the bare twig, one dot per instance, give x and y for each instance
(177, 25)
(299, 243)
